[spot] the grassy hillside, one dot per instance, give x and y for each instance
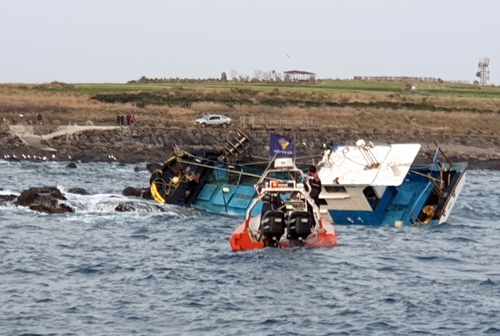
(359, 105)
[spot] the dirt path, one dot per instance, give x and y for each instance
(27, 136)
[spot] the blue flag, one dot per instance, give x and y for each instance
(281, 146)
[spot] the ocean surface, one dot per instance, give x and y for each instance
(165, 270)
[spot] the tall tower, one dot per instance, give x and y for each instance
(483, 70)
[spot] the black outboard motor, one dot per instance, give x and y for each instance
(272, 225)
(299, 224)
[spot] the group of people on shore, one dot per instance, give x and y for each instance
(120, 119)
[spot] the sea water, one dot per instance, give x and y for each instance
(166, 270)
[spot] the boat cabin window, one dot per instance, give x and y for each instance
(335, 189)
(323, 201)
(372, 197)
(297, 205)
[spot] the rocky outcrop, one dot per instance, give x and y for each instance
(51, 209)
(6, 199)
(45, 199)
(136, 192)
(139, 207)
(78, 191)
(152, 167)
(145, 144)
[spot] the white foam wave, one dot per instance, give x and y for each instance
(108, 203)
(9, 192)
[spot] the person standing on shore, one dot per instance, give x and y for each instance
(132, 119)
(128, 119)
(39, 118)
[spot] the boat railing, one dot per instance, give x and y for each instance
(412, 211)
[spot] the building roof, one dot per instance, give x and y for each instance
(298, 72)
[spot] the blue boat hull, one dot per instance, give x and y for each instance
(415, 202)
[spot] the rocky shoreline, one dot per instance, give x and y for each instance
(146, 144)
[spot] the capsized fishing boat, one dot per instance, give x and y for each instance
(293, 221)
(220, 181)
(381, 185)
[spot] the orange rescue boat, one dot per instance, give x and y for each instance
(293, 221)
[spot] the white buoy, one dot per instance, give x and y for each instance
(394, 168)
(360, 143)
(175, 180)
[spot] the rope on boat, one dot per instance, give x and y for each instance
(227, 170)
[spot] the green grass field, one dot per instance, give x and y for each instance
(327, 86)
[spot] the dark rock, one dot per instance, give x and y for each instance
(33, 194)
(62, 208)
(136, 192)
(152, 167)
(132, 192)
(78, 191)
(146, 194)
(71, 165)
(4, 199)
(160, 141)
(45, 199)
(139, 207)
(154, 139)
(125, 207)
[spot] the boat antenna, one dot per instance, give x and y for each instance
(267, 168)
(442, 153)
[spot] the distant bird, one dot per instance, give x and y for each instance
(69, 157)
(53, 156)
(44, 158)
(14, 156)
(6, 156)
(288, 56)
(28, 156)
(305, 144)
(24, 156)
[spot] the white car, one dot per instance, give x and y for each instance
(213, 120)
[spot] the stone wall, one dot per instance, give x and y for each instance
(133, 144)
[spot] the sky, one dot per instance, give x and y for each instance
(114, 41)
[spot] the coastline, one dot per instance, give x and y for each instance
(146, 144)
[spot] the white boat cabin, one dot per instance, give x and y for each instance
(356, 177)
